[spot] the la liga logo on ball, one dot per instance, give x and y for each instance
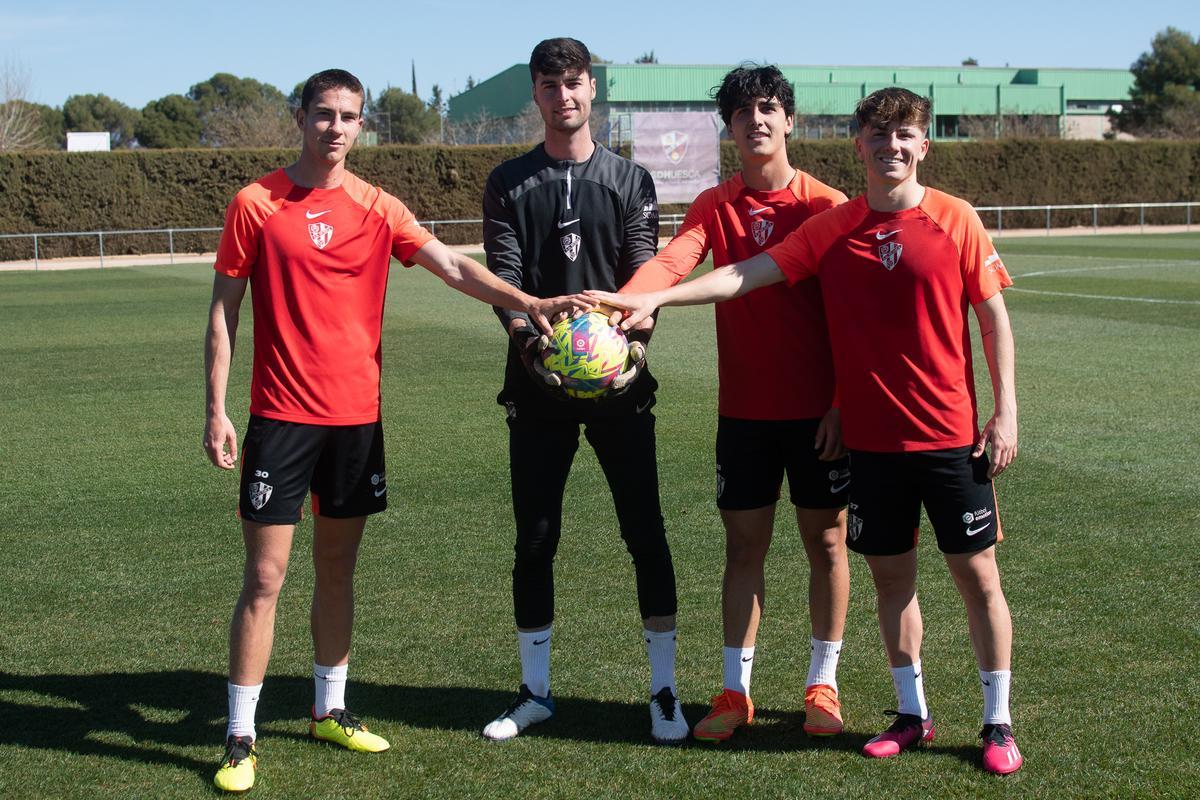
(587, 353)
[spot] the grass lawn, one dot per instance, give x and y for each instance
(122, 557)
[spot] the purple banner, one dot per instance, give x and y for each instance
(680, 150)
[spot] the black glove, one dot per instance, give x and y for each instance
(530, 347)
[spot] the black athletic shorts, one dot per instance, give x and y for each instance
(341, 464)
(753, 456)
(890, 488)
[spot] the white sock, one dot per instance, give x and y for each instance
(660, 647)
(822, 665)
(739, 662)
(535, 660)
(243, 701)
(330, 688)
(995, 696)
(910, 689)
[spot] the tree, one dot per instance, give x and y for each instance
(20, 125)
(646, 58)
(99, 112)
(170, 121)
(243, 112)
(405, 119)
(970, 61)
(1164, 99)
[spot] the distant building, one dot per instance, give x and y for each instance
(968, 101)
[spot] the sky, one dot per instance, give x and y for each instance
(137, 51)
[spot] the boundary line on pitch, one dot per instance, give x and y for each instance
(1122, 298)
(1107, 297)
(1142, 265)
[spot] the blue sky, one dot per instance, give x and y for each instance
(138, 51)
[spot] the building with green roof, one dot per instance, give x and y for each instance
(968, 101)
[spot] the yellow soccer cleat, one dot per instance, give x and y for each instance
(339, 726)
(237, 769)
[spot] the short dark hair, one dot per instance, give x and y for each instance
(749, 82)
(328, 79)
(893, 106)
(556, 56)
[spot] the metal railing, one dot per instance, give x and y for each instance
(673, 220)
(1095, 208)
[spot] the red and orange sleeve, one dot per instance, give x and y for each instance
(681, 255)
(237, 252)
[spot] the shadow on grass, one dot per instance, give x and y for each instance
(159, 714)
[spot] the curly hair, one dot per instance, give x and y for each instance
(749, 82)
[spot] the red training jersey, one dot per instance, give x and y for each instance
(773, 358)
(317, 260)
(896, 288)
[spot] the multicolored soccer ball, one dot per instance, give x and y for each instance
(590, 353)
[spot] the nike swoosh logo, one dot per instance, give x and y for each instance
(754, 212)
(881, 235)
(311, 215)
(744, 660)
(541, 641)
(381, 492)
(562, 225)
(839, 487)
(972, 531)
(987, 683)
(642, 407)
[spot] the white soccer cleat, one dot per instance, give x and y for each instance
(528, 709)
(667, 724)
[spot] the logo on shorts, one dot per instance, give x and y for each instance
(570, 245)
(761, 229)
(978, 515)
(376, 480)
(260, 493)
(320, 233)
(510, 408)
(854, 525)
(838, 480)
(971, 516)
(889, 254)
(720, 482)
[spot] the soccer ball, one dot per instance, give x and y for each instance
(587, 353)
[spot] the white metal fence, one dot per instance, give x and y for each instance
(1180, 214)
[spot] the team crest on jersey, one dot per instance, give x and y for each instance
(674, 144)
(761, 230)
(889, 254)
(320, 233)
(260, 493)
(649, 210)
(570, 245)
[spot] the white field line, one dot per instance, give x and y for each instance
(1143, 265)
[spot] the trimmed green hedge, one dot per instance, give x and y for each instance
(50, 192)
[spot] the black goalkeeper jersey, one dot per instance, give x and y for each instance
(559, 227)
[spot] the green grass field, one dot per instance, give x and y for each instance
(121, 558)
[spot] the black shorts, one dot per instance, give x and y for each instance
(890, 488)
(753, 456)
(282, 461)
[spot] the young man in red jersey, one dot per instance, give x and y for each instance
(315, 243)
(775, 414)
(899, 266)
